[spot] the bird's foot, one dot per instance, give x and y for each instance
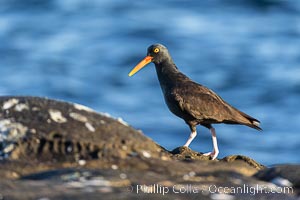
(212, 154)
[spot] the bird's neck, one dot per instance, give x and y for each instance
(167, 73)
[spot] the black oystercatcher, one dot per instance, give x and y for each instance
(192, 102)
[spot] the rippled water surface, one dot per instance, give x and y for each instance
(247, 51)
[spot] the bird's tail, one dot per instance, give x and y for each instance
(250, 121)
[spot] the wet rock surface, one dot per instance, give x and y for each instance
(56, 150)
(282, 175)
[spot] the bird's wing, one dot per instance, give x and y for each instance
(205, 105)
(202, 103)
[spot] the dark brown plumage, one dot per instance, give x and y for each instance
(194, 103)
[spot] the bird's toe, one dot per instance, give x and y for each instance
(212, 154)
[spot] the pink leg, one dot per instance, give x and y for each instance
(215, 151)
(192, 136)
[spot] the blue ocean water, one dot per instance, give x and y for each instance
(81, 51)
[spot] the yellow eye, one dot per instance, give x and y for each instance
(156, 50)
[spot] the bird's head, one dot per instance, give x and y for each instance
(157, 53)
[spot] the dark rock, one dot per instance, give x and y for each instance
(186, 154)
(282, 175)
(52, 130)
(58, 150)
(246, 159)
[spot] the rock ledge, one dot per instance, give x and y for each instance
(56, 150)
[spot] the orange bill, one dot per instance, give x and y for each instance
(142, 64)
